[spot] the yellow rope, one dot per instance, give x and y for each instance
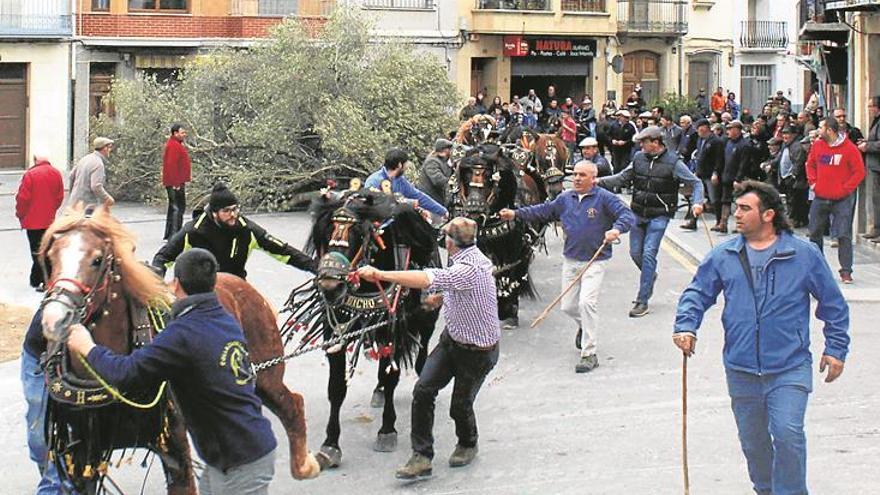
(117, 394)
(159, 324)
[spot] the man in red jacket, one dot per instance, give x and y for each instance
(834, 171)
(176, 172)
(39, 196)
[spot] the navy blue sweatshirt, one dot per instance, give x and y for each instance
(202, 353)
(584, 220)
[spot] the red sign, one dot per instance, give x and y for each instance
(515, 46)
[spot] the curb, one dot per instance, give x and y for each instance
(692, 255)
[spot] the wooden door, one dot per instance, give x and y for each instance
(699, 73)
(643, 68)
(13, 116)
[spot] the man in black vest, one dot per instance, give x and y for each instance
(655, 175)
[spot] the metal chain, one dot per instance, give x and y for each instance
(256, 368)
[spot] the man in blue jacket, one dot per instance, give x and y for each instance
(203, 354)
(392, 171)
(589, 216)
(767, 276)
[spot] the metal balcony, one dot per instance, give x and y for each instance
(771, 35)
(400, 4)
(533, 5)
(35, 19)
(652, 17)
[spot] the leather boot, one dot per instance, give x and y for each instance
(725, 214)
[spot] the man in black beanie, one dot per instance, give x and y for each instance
(223, 413)
(229, 236)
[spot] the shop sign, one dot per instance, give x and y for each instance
(548, 47)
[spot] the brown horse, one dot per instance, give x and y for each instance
(95, 279)
(550, 155)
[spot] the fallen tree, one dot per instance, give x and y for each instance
(280, 118)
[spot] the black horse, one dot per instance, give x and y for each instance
(385, 322)
(485, 181)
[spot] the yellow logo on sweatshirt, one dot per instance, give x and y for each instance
(235, 358)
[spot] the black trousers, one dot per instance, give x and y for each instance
(469, 367)
(176, 207)
(35, 236)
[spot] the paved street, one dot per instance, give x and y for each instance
(543, 429)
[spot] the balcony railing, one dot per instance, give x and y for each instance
(400, 4)
(652, 17)
(513, 4)
(583, 5)
(35, 18)
(763, 34)
(280, 8)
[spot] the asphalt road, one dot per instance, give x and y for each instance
(543, 428)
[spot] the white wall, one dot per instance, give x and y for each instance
(48, 97)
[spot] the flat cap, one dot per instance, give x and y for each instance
(735, 123)
(588, 141)
(650, 132)
(623, 113)
(101, 142)
(442, 144)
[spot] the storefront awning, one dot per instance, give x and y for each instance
(853, 5)
(825, 31)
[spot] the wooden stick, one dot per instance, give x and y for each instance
(684, 422)
(574, 282)
(708, 233)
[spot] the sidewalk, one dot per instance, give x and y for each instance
(694, 245)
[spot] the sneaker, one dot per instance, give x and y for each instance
(418, 466)
(834, 243)
(586, 364)
(846, 278)
(639, 309)
(872, 235)
(462, 456)
(510, 323)
(577, 338)
(40, 288)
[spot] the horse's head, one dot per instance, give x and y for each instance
(344, 236)
(486, 182)
(550, 162)
(82, 265)
(87, 255)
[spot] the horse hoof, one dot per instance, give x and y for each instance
(311, 468)
(378, 399)
(329, 457)
(386, 442)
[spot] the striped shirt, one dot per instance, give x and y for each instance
(470, 304)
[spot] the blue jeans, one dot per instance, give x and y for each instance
(769, 412)
(35, 394)
(644, 242)
(841, 217)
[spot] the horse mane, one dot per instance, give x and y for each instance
(465, 128)
(138, 281)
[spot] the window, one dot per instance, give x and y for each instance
(157, 5)
(100, 5)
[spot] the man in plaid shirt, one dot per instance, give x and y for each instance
(468, 347)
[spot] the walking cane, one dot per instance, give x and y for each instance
(684, 422)
(574, 282)
(708, 233)
(684, 393)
